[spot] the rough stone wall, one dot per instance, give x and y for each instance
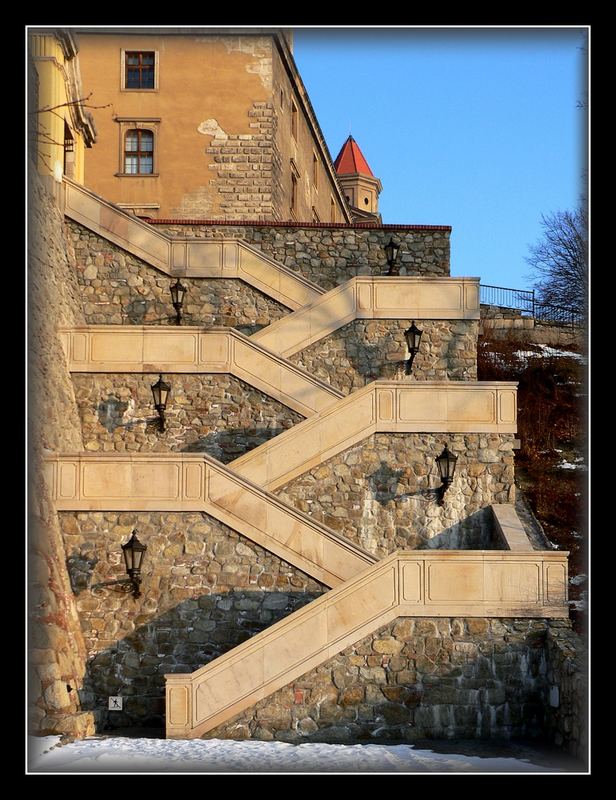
(412, 679)
(118, 288)
(381, 493)
(329, 255)
(215, 414)
(499, 322)
(242, 170)
(366, 350)
(56, 648)
(205, 590)
(567, 702)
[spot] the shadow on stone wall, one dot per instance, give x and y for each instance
(228, 444)
(383, 483)
(415, 678)
(475, 532)
(182, 639)
(368, 360)
(111, 412)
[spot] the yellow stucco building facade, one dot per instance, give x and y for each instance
(202, 124)
(61, 129)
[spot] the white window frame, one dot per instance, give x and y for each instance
(126, 124)
(123, 52)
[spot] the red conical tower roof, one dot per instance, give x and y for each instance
(351, 160)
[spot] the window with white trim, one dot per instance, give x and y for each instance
(139, 70)
(138, 140)
(138, 152)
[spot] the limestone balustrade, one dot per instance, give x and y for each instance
(407, 583)
(196, 482)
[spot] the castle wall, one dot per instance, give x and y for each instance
(428, 678)
(215, 414)
(381, 493)
(329, 256)
(367, 350)
(57, 652)
(205, 590)
(120, 289)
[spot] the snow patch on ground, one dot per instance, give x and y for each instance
(121, 754)
(578, 579)
(545, 351)
(569, 465)
(581, 604)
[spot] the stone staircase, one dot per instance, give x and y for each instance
(416, 583)
(365, 594)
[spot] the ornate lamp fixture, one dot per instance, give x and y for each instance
(391, 252)
(160, 391)
(178, 290)
(413, 339)
(133, 552)
(446, 463)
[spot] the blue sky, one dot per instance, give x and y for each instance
(474, 128)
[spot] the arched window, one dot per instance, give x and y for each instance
(139, 152)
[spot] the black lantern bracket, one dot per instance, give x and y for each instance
(178, 290)
(446, 464)
(391, 253)
(413, 340)
(133, 552)
(160, 392)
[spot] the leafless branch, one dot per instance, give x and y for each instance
(559, 260)
(79, 102)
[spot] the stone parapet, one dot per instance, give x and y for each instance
(140, 349)
(382, 406)
(183, 482)
(447, 584)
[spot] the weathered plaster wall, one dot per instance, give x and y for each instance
(56, 648)
(215, 414)
(366, 350)
(413, 679)
(203, 126)
(241, 173)
(380, 493)
(205, 590)
(120, 289)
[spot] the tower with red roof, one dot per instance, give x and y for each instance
(358, 183)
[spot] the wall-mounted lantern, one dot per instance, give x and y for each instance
(178, 290)
(133, 552)
(413, 339)
(446, 463)
(160, 392)
(391, 252)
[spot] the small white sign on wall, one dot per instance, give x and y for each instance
(115, 703)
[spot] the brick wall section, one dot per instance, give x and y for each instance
(365, 350)
(205, 590)
(329, 256)
(412, 679)
(380, 493)
(56, 649)
(118, 288)
(242, 170)
(567, 702)
(215, 414)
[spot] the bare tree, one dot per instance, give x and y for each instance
(559, 260)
